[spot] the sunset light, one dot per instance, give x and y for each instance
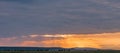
(60, 24)
(101, 41)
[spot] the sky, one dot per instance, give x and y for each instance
(36, 22)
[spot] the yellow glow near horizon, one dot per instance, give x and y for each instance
(104, 40)
(72, 42)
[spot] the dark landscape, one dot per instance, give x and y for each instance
(53, 50)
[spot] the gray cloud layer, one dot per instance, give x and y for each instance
(24, 17)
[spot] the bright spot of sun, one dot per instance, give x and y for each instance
(72, 42)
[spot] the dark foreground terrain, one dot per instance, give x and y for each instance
(53, 50)
(100, 51)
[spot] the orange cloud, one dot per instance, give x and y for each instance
(30, 43)
(70, 42)
(102, 41)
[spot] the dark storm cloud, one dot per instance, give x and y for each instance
(25, 17)
(17, 0)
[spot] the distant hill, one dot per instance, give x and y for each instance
(42, 49)
(84, 49)
(31, 48)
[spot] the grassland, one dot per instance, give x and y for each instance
(102, 51)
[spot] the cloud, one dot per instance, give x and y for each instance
(101, 41)
(58, 17)
(30, 43)
(38, 22)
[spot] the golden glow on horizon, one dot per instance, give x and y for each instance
(78, 42)
(71, 42)
(102, 41)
